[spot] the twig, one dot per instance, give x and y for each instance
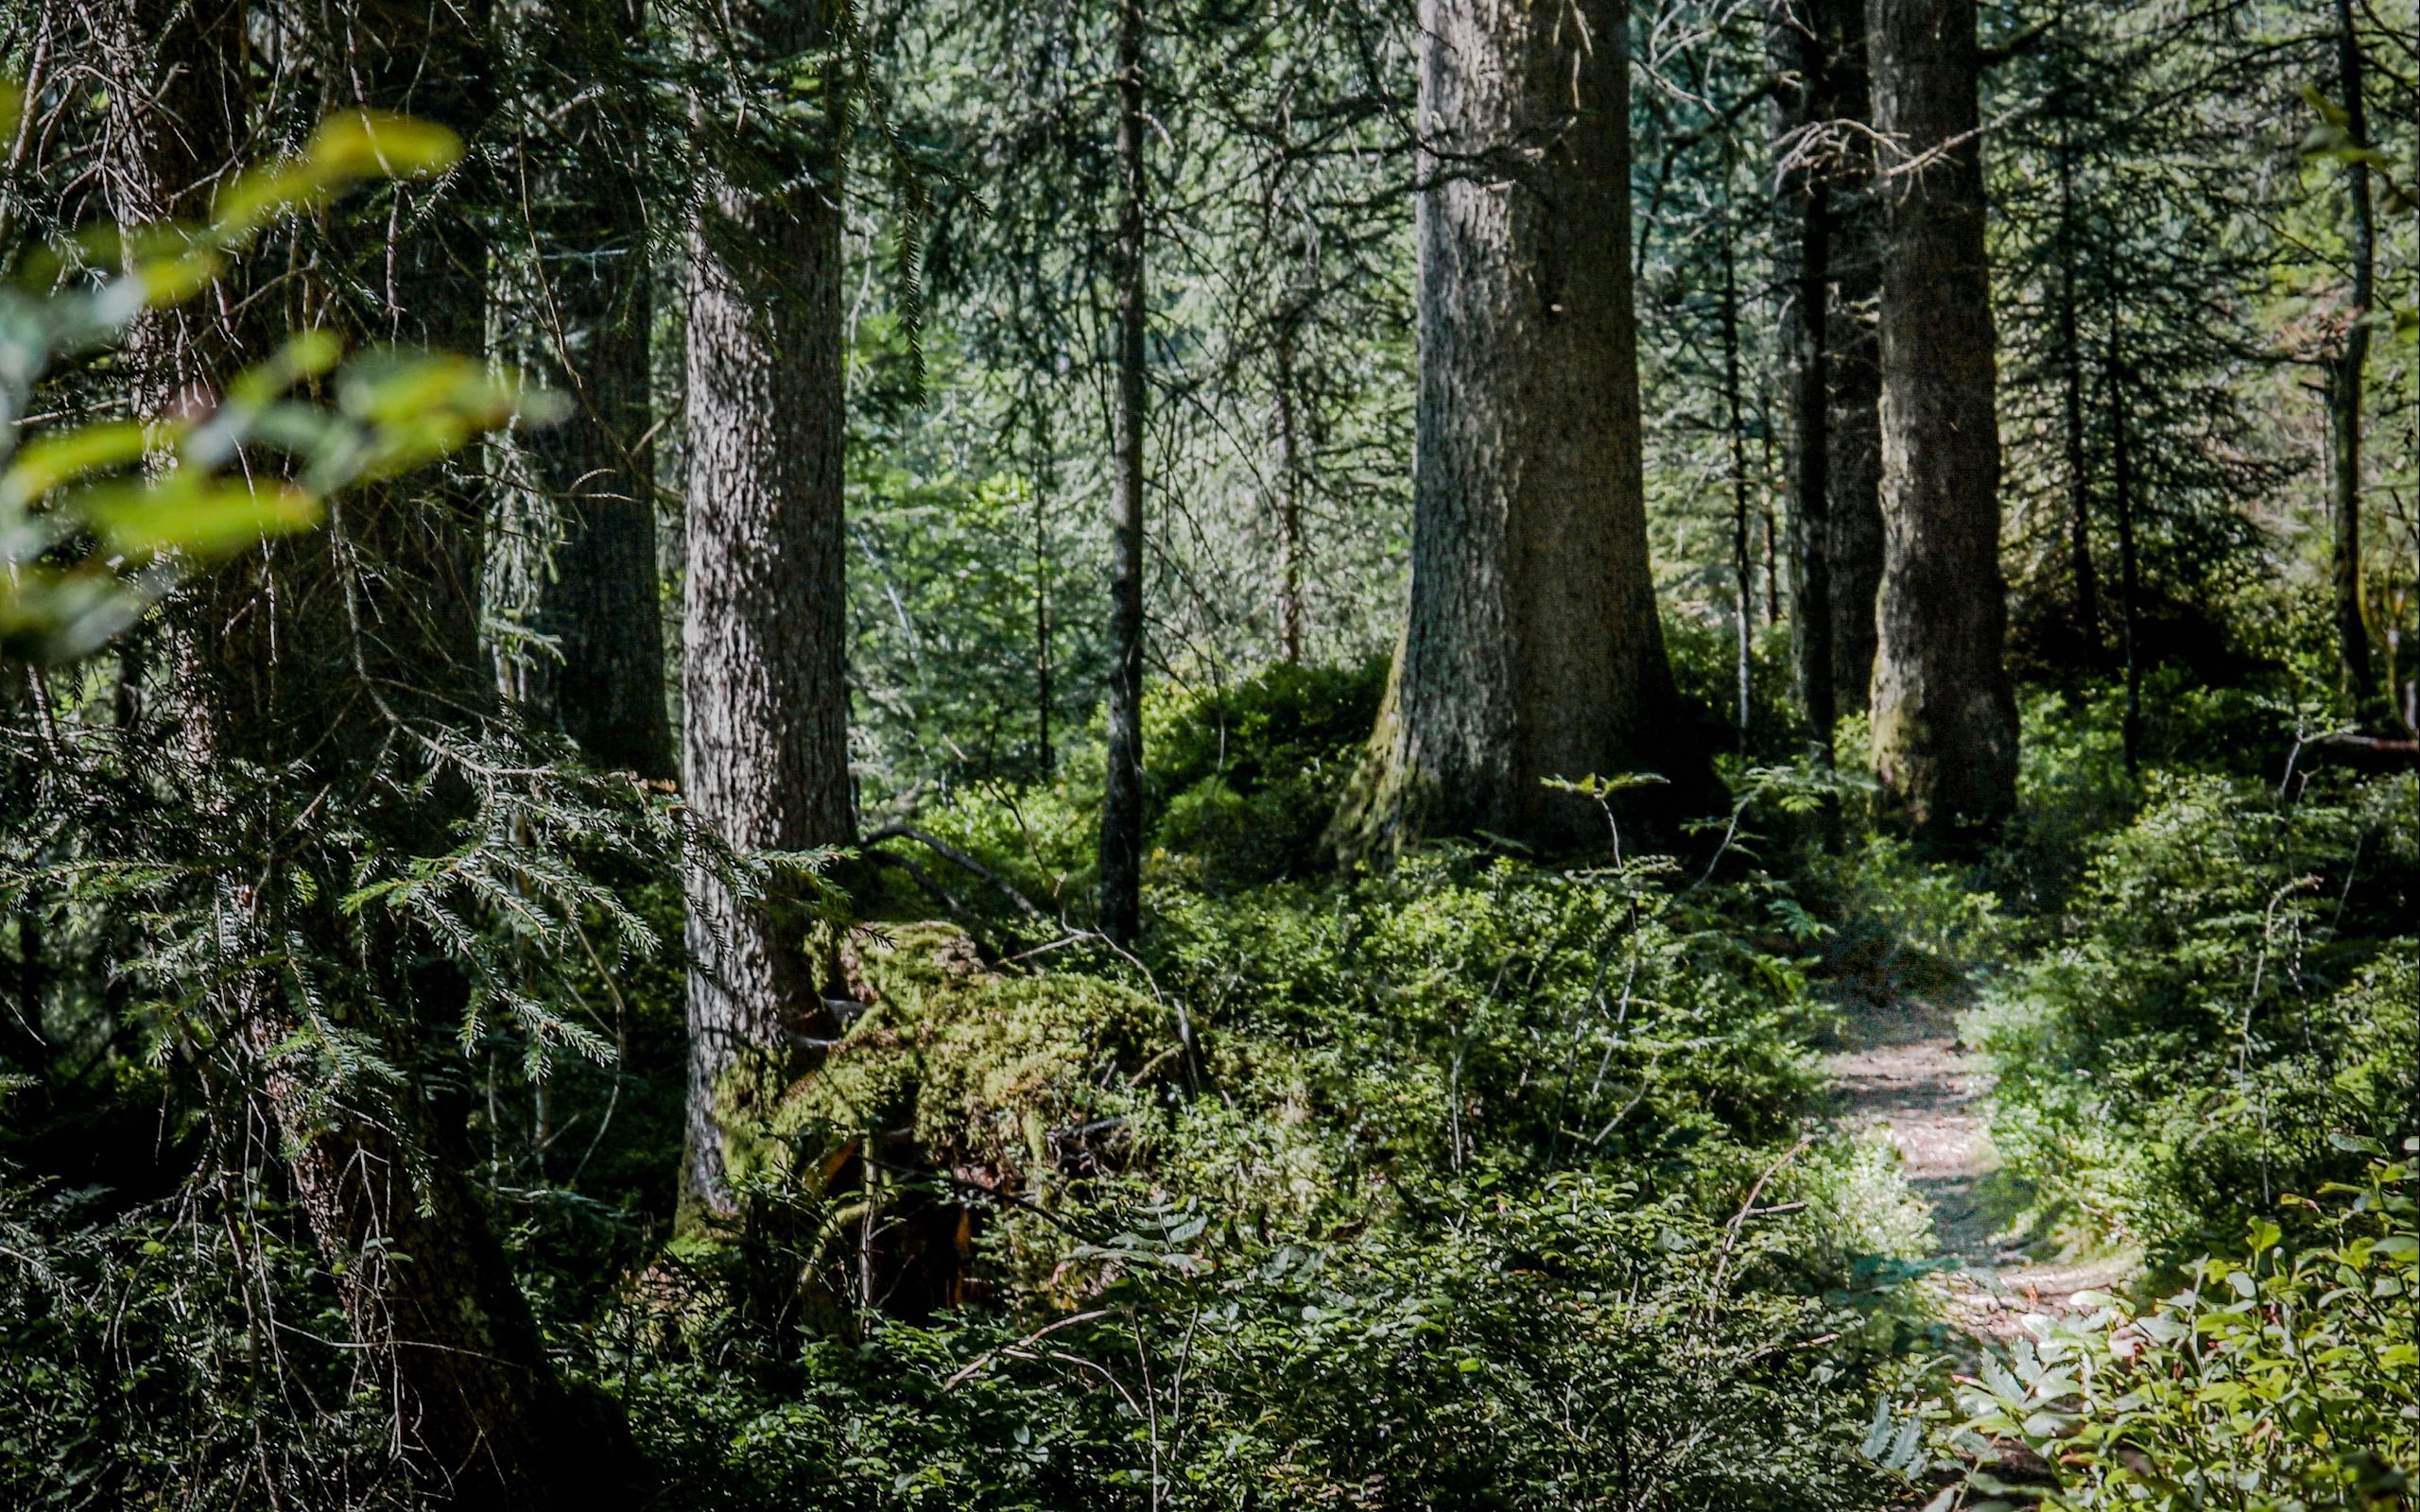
(1731, 1235)
(1038, 1334)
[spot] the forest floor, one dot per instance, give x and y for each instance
(1901, 1068)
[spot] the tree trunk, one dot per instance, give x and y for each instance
(1742, 566)
(1829, 214)
(1045, 473)
(2345, 378)
(2088, 604)
(1944, 715)
(331, 655)
(1532, 649)
(765, 746)
(1290, 494)
(599, 601)
(2128, 585)
(1800, 47)
(1121, 808)
(1855, 455)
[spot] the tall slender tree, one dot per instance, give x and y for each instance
(1945, 715)
(2348, 374)
(1854, 459)
(1121, 809)
(1532, 649)
(1801, 107)
(765, 756)
(1817, 50)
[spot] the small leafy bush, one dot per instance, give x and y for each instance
(2233, 981)
(1462, 1010)
(1248, 774)
(2283, 1378)
(1568, 1343)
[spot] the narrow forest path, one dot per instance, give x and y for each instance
(1900, 1068)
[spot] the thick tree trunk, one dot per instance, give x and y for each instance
(1121, 809)
(765, 746)
(1944, 715)
(2345, 379)
(599, 603)
(1830, 216)
(313, 653)
(1532, 649)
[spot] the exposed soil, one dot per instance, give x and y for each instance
(1901, 1068)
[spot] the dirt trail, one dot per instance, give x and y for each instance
(1901, 1067)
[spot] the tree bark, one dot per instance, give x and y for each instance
(765, 744)
(1742, 565)
(1829, 212)
(1121, 809)
(1531, 649)
(2121, 469)
(1800, 48)
(1855, 455)
(2345, 380)
(1855, 462)
(599, 601)
(329, 655)
(1945, 715)
(1289, 493)
(2087, 582)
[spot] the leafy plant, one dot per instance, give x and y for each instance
(99, 520)
(2285, 1377)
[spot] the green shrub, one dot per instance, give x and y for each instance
(2283, 1378)
(1248, 775)
(2232, 982)
(1563, 1343)
(1461, 1011)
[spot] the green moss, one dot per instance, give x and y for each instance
(1006, 1074)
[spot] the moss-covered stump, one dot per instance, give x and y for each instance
(967, 1086)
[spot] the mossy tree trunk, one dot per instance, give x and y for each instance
(765, 756)
(1532, 648)
(1944, 714)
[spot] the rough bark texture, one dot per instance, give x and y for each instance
(1121, 807)
(599, 603)
(1944, 715)
(1854, 460)
(2345, 378)
(765, 744)
(313, 653)
(1532, 649)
